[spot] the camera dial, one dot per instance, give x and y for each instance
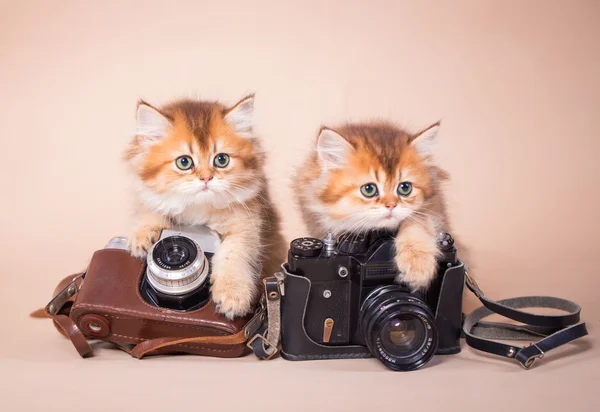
(176, 265)
(306, 247)
(445, 241)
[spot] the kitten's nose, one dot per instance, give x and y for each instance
(391, 205)
(207, 179)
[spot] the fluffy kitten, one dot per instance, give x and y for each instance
(199, 163)
(377, 176)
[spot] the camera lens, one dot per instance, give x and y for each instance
(398, 328)
(403, 335)
(175, 255)
(176, 265)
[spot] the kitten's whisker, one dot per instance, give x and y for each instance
(242, 204)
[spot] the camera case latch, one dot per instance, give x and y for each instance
(265, 342)
(62, 297)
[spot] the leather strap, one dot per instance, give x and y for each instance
(58, 311)
(265, 343)
(71, 331)
(556, 330)
(151, 345)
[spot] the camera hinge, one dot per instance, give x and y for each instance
(62, 297)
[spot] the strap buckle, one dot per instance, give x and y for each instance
(254, 324)
(274, 289)
(62, 297)
(531, 360)
(270, 346)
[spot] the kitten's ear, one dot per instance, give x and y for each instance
(150, 122)
(241, 116)
(332, 148)
(424, 141)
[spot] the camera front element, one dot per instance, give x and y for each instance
(403, 334)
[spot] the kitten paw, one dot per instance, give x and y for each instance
(142, 240)
(417, 268)
(232, 298)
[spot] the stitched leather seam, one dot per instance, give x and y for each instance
(203, 348)
(95, 306)
(179, 344)
(128, 337)
(220, 332)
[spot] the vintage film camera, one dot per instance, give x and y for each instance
(177, 269)
(341, 302)
(160, 305)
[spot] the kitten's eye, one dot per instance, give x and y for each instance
(404, 188)
(369, 190)
(221, 160)
(184, 162)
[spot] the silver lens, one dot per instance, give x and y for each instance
(176, 265)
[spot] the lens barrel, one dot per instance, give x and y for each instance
(176, 274)
(399, 328)
(176, 265)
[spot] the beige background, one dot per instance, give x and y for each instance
(516, 85)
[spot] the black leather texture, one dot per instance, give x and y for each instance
(448, 308)
(304, 310)
(556, 330)
(295, 343)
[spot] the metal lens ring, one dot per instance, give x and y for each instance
(399, 328)
(176, 265)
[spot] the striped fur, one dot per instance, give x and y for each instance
(327, 188)
(233, 200)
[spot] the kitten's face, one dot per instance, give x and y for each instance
(196, 153)
(372, 177)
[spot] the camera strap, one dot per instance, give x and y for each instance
(265, 343)
(555, 330)
(58, 309)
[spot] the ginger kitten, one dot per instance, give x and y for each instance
(377, 176)
(199, 163)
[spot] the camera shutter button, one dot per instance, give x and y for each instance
(95, 325)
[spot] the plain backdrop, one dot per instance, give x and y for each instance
(515, 84)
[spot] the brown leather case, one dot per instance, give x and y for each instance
(109, 307)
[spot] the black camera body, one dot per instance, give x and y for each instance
(340, 301)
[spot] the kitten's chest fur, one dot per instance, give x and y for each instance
(196, 215)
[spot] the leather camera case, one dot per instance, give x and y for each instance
(109, 307)
(297, 344)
